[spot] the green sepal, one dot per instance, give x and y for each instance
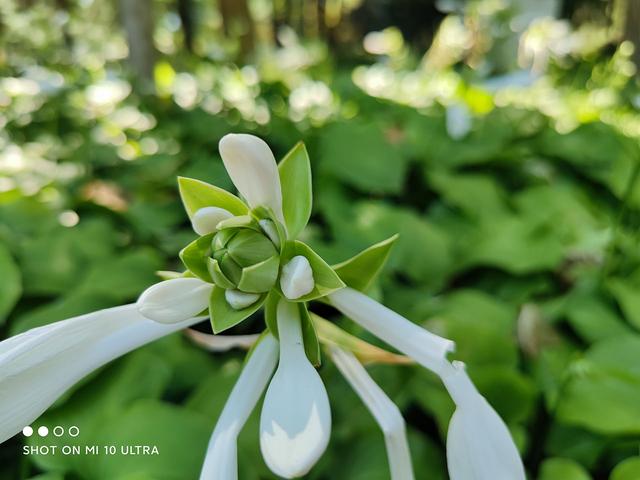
(270, 312)
(309, 336)
(265, 213)
(248, 248)
(223, 316)
(196, 194)
(218, 276)
(359, 272)
(229, 267)
(295, 181)
(221, 238)
(241, 221)
(326, 280)
(260, 277)
(194, 256)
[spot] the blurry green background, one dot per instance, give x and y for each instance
(498, 137)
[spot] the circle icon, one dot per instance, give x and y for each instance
(58, 431)
(74, 431)
(27, 431)
(43, 431)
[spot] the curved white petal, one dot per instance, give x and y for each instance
(175, 300)
(296, 279)
(221, 343)
(382, 408)
(206, 219)
(295, 424)
(239, 300)
(253, 170)
(426, 348)
(221, 462)
(479, 445)
(38, 366)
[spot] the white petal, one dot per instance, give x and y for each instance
(295, 424)
(175, 300)
(479, 445)
(221, 462)
(253, 170)
(382, 408)
(239, 300)
(38, 366)
(426, 348)
(206, 219)
(270, 230)
(296, 279)
(221, 343)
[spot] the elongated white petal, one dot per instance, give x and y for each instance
(479, 445)
(253, 170)
(426, 348)
(296, 279)
(295, 424)
(206, 219)
(382, 408)
(221, 343)
(221, 462)
(175, 300)
(38, 366)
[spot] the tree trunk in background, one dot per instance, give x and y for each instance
(137, 20)
(632, 27)
(185, 11)
(238, 24)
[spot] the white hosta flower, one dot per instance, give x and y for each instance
(206, 219)
(175, 300)
(295, 424)
(424, 347)
(38, 366)
(221, 462)
(382, 408)
(296, 279)
(253, 170)
(239, 300)
(479, 445)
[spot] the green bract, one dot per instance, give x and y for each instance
(244, 254)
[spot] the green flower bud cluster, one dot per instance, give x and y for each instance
(245, 259)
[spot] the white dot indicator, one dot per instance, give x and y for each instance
(27, 431)
(43, 431)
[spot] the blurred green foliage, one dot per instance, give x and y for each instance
(518, 236)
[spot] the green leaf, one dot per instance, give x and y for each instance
(223, 316)
(562, 468)
(297, 198)
(607, 380)
(195, 257)
(360, 271)
(260, 277)
(196, 194)
(629, 469)
(10, 286)
(326, 279)
(309, 336)
(628, 296)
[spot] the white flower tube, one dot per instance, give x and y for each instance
(382, 408)
(426, 348)
(295, 424)
(175, 300)
(479, 445)
(221, 462)
(253, 170)
(38, 366)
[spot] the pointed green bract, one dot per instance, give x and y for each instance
(248, 248)
(309, 336)
(197, 194)
(223, 316)
(218, 276)
(241, 221)
(195, 257)
(260, 277)
(326, 280)
(360, 271)
(270, 310)
(295, 180)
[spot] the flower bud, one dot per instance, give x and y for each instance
(244, 259)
